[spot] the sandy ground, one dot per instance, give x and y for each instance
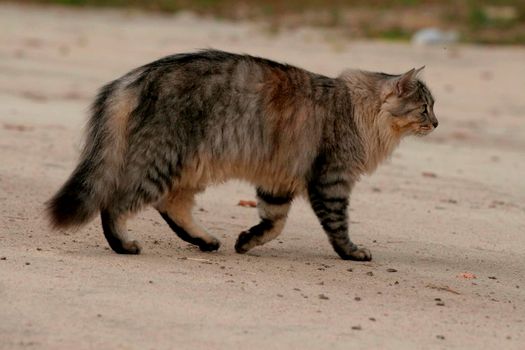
(445, 205)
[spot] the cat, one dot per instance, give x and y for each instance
(165, 131)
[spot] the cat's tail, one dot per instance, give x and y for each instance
(96, 175)
(77, 201)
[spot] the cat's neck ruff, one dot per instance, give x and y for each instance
(379, 140)
(375, 129)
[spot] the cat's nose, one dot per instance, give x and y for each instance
(435, 124)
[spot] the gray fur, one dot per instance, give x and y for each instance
(166, 130)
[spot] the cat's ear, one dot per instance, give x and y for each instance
(404, 84)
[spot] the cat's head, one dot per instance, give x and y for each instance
(409, 104)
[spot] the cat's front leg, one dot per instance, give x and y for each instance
(329, 200)
(273, 210)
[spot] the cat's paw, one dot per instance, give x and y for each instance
(244, 242)
(130, 247)
(358, 254)
(214, 244)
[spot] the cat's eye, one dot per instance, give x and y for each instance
(425, 111)
(412, 110)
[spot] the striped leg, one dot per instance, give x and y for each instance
(175, 209)
(273, 210)
(329, 200)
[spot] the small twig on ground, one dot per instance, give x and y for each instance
(444, 288)
(247, 204)
(204, 261)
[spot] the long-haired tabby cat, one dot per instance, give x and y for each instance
(163, 132)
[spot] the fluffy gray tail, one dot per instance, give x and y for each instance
(81, 197)
(76, 202)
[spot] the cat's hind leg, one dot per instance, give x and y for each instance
(273, 210)
(175, 209)
(114, 227)
(121, 205)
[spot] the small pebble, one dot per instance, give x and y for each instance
(280, 295)
(370, 273)
(357, 298)
(356, 328)
(40, 249)
(350, 270)
(442, 337)
(391, 270)
(440, 303)
(3, 258)
(492, 277)
(373, 319)
(150, 282)
(323, 297)
(28, 263)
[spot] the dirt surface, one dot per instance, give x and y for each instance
(443, 210)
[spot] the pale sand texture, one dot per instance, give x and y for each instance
(66, 290)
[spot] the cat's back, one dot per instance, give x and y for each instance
(235, 71)
(211, 90)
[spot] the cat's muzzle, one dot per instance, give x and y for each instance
(425, 129)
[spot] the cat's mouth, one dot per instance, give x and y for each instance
(424, 130)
